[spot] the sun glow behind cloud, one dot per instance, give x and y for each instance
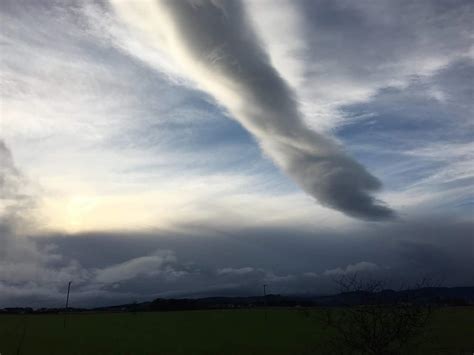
(218, 199)
(83, 212)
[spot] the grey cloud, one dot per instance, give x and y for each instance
(372, 44)
(256, 275)
(155, 264)
(217, 37)
(9, 175)
(15, 197)
(363, 266)
(233, 271)
(427, 107)
(112, 268)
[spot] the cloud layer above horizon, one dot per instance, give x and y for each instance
(228, 126)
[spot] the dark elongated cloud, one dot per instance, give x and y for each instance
(217, 47)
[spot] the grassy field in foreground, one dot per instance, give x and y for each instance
(282, 331)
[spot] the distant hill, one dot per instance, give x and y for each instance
(439, 295)
(451, 296)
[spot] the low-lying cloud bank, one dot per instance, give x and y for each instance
(121, 268)
(216, 46)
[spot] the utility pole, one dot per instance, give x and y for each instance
(265, 299)
(68, 290)
(67, 303)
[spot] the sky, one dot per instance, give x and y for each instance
(206, 147)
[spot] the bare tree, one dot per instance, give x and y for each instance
(375, 320)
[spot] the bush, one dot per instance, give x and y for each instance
(378, 321)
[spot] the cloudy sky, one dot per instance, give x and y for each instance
(206, 147)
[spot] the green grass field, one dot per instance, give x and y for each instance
(282, 331)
